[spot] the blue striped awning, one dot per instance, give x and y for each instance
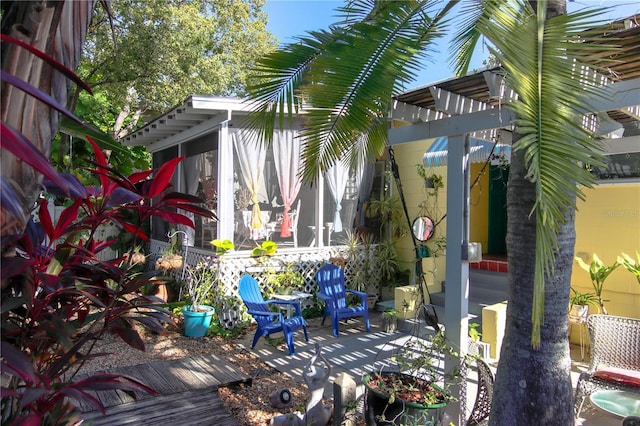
(437, 153)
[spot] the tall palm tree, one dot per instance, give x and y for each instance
(344, 79)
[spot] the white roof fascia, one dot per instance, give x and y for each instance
(618, 95)
(203, 128)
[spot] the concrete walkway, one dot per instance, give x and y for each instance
(357, 352)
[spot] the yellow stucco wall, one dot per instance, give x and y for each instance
(607, 224)
(407, 156)
(479, 207)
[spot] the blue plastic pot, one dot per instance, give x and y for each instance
(196, 323)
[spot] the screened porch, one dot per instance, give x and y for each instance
(254, 189)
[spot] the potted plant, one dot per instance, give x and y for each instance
(390, 321)
(199, 285)
(598, 273)
(171, 258)
(431, 180)
(579, 306)
(202, 288)
(416, 393)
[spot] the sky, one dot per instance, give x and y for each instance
(291, 18)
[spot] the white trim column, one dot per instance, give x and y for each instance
(319, 222)
(456, 296)
(225, 183)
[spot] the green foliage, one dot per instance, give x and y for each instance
(391, 215)
(436, 181)
(474, 334)
(222, 246)
(316, 310)
(538, 55)
(598, 273)
(217, 329)
(203, 282)
(387, 261)
(164, 51)
(345, 100)
(416, 361)
(286, 280)
(391, 313)
(267, 248)
(583, 299)
(630, 264)
(360, 270)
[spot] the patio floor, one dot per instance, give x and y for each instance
(356, 352)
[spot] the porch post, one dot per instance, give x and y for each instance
(457, 270)
(225, 183)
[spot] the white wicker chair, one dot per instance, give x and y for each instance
(615, 342)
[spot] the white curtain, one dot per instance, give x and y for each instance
(191, 167)
(286, 154)
(337, 177)
(251, 156)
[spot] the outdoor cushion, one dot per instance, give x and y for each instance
(619, 375)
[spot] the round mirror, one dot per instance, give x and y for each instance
(422, 228)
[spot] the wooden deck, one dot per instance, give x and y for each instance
(187, 394)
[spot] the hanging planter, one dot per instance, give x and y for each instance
(169, 262)
(423, 251)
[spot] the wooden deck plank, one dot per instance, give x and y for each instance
(187, 394)
(223, 371)
(186, 408)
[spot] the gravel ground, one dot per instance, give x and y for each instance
(249, 404)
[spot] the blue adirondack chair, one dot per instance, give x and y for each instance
(270, 322)
(332, 290)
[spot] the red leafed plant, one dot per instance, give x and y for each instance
(58, 297)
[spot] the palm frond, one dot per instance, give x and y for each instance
(541, 59)
(347, 78)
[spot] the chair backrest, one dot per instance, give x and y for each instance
(250, 294)
(615, 341)
(331, 282)
(484, 395)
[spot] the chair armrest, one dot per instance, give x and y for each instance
(360, 294)
(265, 314)
(323, 296)
(329, 301)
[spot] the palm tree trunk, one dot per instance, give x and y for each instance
(59, 29)
(533, 386)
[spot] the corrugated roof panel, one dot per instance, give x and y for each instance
(438, 152)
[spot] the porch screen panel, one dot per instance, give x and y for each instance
(286, 154)
(251, 156)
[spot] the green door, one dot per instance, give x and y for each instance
(498, 176)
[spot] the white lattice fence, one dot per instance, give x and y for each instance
(234, 264)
